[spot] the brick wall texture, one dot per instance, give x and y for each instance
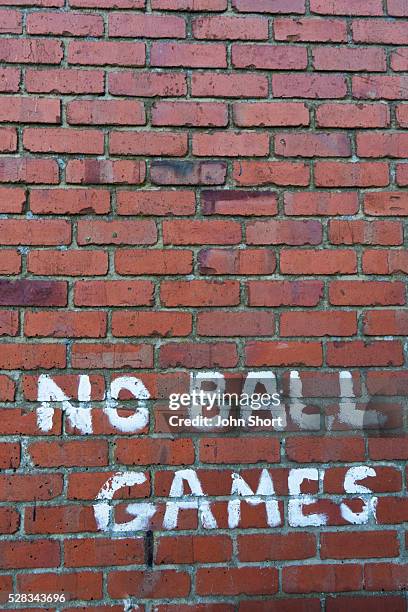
(203, 185)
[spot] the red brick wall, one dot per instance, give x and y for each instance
(194, 185)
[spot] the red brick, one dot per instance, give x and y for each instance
(20, 170)
(355, 545)
(228, 85)
(146, 26)
(227, 323)
(350, 174)
(382, 144)
(239, 450)
(365, 232)
(359, 353)
(165, 584)
(284, 232)
(25, 292)
(113, 293)
(392, 448)
(129, 323)
(63, 140)
(276, 353)
(353, 115)
(8, 323)
(24, 555)
(237, 581)
(266, 547)
(310, 30)
(10, 22)
(322, 578)
(12, 200)
(271, 173)
(291, 85)
(102, 551)
(199, 293)
(321, 203)
(227, 144)
(35, 487)
(117, 232)
(75, 585)
(69, 201)
(86, 356)
(379, 31)
(269, 57)
(189, 55)
(10, 261)
(328, 323)
(386, 576)
(89, 453)
(189, 5)
(324, 450)
(366, 293)
(188, 173)
(350, 60)
(33, 51)
(153, 261)
(155, 451)
(28, 356)
(386, 323)
(105, 171)
(402, 174)
(304, 261)
(397, 8)
(271, 114)
(65, 24)
(347, 7)
(194, 549)
(59, 519)
(374, 87)
(65, 81)
(148, 143)
(107, 53)
(375, 603)
(230, 28)
(198, 355)
(159, 202)
(264, 6)
(285, 293)
(241, 262)
(182, 232)
(320, 144)
(67, 263)
(147, 84)
(8, 140)
(84, 324)
(9, 455)
(386, 203)
(102, 112)
(9, 80)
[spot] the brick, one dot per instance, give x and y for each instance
(25, 555)
(228, 85)
(381, 144)
(321, 203)
(322, 450)
(284, 232)
(117, 232)
(8, 323)
(65, 24)
(10, 22)
(397, 8)
(190, 5)
(65, 81)
(28, 357)
(359, 604)
(360, 353)
(193, 549)
(353, 115)
(35, 231)
(148, 143)
(188, 173)
(33, 293)
(156, 202)
(386, 203)
(385, 262)
(240, 262)
(269, 57)
(102, 112)
(182, 232)
(8, 140)
(33, 51)
(87, 53)
(155, 451)
(350, 60)
(238, 202)
(59, 519)
(309, 30)
(9, 521)
(303, 323)
(273, 114)
(105, 171)
(30, 110)
(197, 114)
(283, 353)
(277, 547)
(285, 293)
(9, 80)
(63, 140)
(265, 6)
(350, 174)
(102, 551)
(146, 26)
(142, 324)
(374, 87)
(12, 200)
(113, 293)
(199, 293)
(402, 174)
(318, 262)
(20, 170)
(347, 7)
(320, 144)
(88, 356)
(198, 355)
(89, 453)
(237, 581)
(9, 455)
(271, 173)
(75, 585)
(347, 545)
(10, 261)
(147, 84)
(69, 201)
(365, 232)
(230, 28)
(385, 576)
(379, 31)
(65, 325)
(322, 578)
(366, 293)
(222, 323)
(237, 450)
(309, 85)
(167, 584)
(36, 487)
(153, 261)
(226, 144)
(67, 263)
(188, 55)
(390, 448)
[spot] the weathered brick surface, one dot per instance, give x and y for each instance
(194, 185)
